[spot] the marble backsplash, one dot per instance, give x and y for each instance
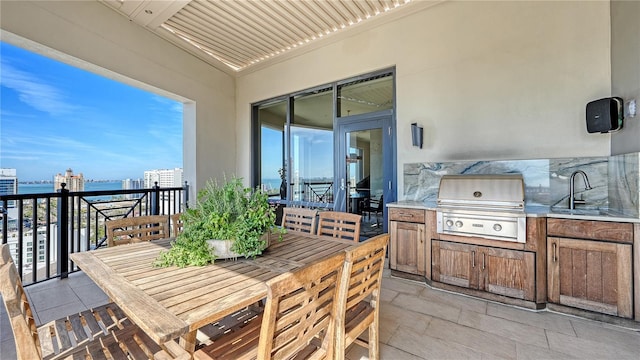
(615, 180)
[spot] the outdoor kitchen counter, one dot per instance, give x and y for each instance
(412, 204)
(538, 211)
(580, 214)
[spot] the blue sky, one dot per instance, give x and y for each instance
(54, 116)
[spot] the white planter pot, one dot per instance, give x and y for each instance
(222, 248)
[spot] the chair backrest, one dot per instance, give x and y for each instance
(299, 219)
(137, 229)
(15, 300)
(363, 270)
(5, 254)
(301, 308)
(176, 224)
(380, 204)
(340, 225)
(361, 280)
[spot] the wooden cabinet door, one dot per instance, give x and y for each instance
(407, 247)
(591, 275)
(454, 263)
(508, 272)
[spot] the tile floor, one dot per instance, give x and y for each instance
(416, 322)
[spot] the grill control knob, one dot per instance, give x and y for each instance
(458, 223)
(449, 223)
(497, 227)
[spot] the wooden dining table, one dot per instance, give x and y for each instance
(170, 302)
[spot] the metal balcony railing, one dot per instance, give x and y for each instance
(43, 229)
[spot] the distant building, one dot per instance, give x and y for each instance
(164, 177)
(132, 184)
(8, 184)
(74, 182)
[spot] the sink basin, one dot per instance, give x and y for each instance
(587, 212)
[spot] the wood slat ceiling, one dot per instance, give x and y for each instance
(242, 33)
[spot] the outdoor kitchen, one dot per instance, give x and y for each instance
(561, 234)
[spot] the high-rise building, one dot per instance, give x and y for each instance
(132, 184)
(8, 183)
(74, 182)
(164, 177)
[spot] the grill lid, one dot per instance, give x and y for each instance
(499, 192)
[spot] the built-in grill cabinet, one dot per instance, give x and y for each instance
(484, 245)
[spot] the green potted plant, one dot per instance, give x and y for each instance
(228, 221)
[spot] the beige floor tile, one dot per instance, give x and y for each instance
(515, 331)
(402, 285)
(423, 306)
(392, 316)
(542, 319)
(477, 340)
(457, 300)
(428, 347)
(625, 339)
(387, 295)
(588, 349)
(386, 353)
(532, 352)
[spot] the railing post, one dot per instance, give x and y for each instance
(63, 232)
(186, 194)
(155, 200)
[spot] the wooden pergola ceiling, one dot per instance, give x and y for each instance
(242, 33)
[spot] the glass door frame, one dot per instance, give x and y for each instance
(380, 120)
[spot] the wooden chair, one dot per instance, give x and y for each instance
(103, 332)
(137, 229)
(340, 225)
(176, 224)
(5, 254)
(299, 219)
(360, 296)
(298, 319)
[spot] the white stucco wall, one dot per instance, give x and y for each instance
(486, 80)
(625, 70)
(94, 34)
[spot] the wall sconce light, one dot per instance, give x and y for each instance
(416, 135)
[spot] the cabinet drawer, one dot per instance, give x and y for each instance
(407, 215)
(588, 229)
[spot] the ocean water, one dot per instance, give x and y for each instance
(88, 186)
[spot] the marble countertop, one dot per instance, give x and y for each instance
(539, 211)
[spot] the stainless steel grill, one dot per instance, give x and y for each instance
(487, 206)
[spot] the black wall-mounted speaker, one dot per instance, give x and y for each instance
(604, 115)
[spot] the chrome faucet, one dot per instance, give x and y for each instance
(572, 199)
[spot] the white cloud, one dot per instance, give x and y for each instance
(35, 92)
